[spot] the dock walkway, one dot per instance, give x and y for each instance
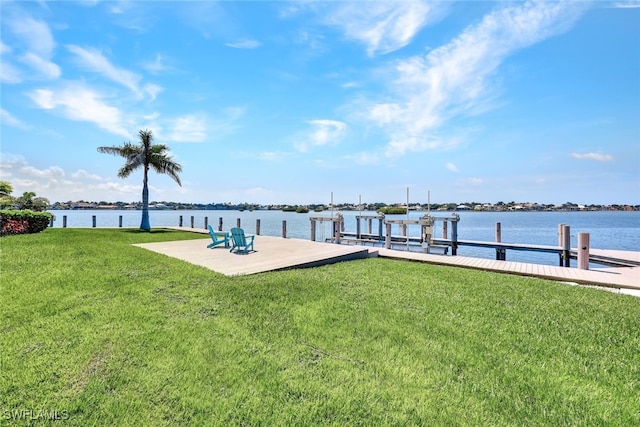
(276, 253)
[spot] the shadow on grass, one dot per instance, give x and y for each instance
(152, 231)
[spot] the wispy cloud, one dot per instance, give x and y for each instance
(452, 167)
(471, 182)
(78, 102)
(50, 172)
(322, 132)
(456, 79)
(593, 156)
(384, 27)
(38, 46)
(631, 4)
(157, 65)
(189, 128)
(83, 174)
(244, 44)
(8, 119)
(93, 60)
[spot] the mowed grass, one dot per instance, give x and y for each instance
(100, 332)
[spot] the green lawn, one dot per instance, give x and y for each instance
(95, 331)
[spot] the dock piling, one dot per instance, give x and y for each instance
(501, 254)
(583, 251)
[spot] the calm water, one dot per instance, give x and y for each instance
(608, 230)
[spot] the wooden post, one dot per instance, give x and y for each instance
(206, 222)
(380, 228)
(180, 222)
(238, 223)
(583, 251)
(370, 224)
(454, 238)
(566, 245)
(336, 228)
(404, 229)
(51, 222)
(387, 237)
(192, 222)
(560, 236)
(258, 226)
(313, 230)
(220, 224)
(358, 228)
(501, 253)
(120, 221)
(64, 221)
(93, 221)
(444, 228)
(284, 228)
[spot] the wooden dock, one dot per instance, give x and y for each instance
(277, 253)
(272, 253)
(624, 278)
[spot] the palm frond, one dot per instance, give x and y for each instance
(164, 164)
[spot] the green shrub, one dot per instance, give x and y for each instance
(392, 210)
(23, 222)
(302, 209)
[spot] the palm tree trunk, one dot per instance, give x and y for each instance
(145, 225)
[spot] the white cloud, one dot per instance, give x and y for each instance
(83, 174)
(631, 4)
(9, 74)
(455, 79)
(50, 172)
(46, 68)
(153, 90)
(452, 167)
(38, 46)
(55, 184)
(77, 102)
(365, 158)
(271, 156)
(4, 48)
(94, 60)
(471, 182)
(384, 26)
(36, 35)
(8, 119)
(323, 132)
(189, 128)
(157, 65)
(593, 156)
(244, 44)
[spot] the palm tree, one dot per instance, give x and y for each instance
(145, 155)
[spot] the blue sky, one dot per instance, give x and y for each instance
(287, 102)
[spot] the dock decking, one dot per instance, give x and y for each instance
(276, 253)
(272, 253)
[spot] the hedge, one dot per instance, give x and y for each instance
(23, 221)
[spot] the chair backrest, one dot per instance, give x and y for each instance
(237, 234)
(212, 233)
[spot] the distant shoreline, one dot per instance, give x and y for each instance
(435, 207)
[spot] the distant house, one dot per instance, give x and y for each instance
(83, 205)
(463, 208)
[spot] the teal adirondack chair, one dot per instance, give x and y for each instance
(240, 242)
(218, 237)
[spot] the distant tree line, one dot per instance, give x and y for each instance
(377, 206)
